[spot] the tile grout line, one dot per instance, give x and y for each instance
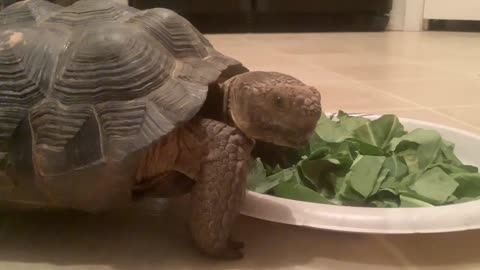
(400, 98)
(373, 88)
(395, 251)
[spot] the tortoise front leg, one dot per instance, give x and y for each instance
(217, 157)
(220, 188)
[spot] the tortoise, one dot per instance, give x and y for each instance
(102, 103)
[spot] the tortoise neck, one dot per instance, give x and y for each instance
(227, 117)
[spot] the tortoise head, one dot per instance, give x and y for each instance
(273, 107)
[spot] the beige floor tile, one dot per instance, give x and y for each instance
(435, 251)
(395, 72)
(352, 96)
(466, 114)
(345, 59)
(434, 92)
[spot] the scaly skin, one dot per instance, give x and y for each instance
(217, 157)
(220, 189)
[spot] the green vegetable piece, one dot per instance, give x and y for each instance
(364, 148)
(351, 123)
(447, 153)
(389, 183)
(450, 169)
(315, 143)
(364, 174)
(411, 160)
(381, 177)
(257, 178)
(396, 166)
(316, 171)
(385, 204)
(271, 170)
(342, 152)
(385, 198)
(469, 185)
(435, 186)
(380, 131)
(331, 131)
(410, 202)
(428, 142)
(320, 152)
(258, 181)
(295, 191)
(345, 192)
(451, 199)
(466, 199)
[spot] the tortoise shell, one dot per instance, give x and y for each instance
(86, 87)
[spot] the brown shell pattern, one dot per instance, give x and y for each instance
(97, 81)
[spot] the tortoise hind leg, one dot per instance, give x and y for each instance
(220, 188)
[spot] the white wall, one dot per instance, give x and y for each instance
(397, 15)
(407, 15)
(413, 15)
(452, 10)
(410, 15)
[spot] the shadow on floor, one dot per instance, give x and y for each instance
(137, 241)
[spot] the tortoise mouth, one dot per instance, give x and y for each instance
(287, 137)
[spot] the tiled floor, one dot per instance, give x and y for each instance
(428, 76)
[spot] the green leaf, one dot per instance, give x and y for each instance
(409, 202)
(469, 185)
(428, 142)
(381, 131)
(381, 177)
(435, 186)
(396, 166)
(269, 170)
(320, 152)
(316, 171)
(451, 199)
(409, 180)
(295, 191)
(364, 174)
(315, 143)
(364, 148)
(258, 181)
(386, 198)
(447, 153)
(465, 199)
(389, 183)
(449, 169)
(343, 153)
(411, 160)
(351, 123)
(346, 194)
(331, 131)
(257, 178)
(385, 204)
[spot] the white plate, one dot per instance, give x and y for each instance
(464, 216)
